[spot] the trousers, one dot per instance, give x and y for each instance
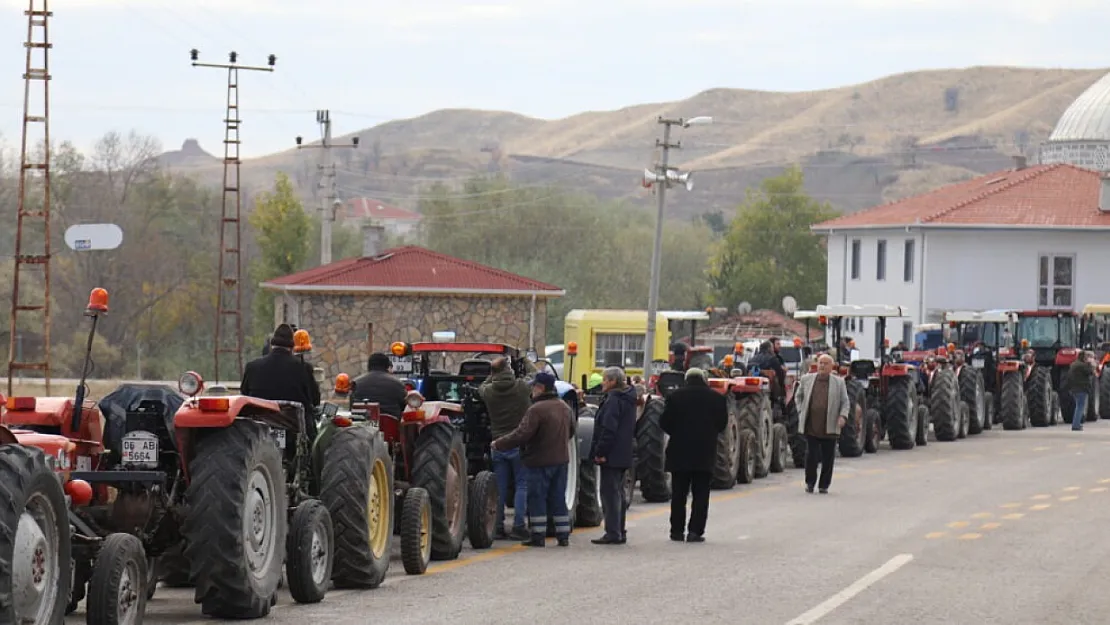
(1080, 414)
(820, 451)
(547, 496)
(612, 502)
(683, 484)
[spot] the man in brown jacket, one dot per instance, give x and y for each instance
(543, 436)
(822, 400)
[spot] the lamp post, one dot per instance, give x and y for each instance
(665, 176)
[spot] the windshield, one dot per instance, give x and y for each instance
(791, 354)
(1047, 331)
(701, 361)
(929, 340)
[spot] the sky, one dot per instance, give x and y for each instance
(123, 65)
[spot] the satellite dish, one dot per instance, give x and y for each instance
(789, 305)
(744, 308)
(91, 237)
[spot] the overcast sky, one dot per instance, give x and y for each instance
(124, 64)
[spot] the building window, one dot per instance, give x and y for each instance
(1057, 281)
(907, 261)
(880, 260)
(855, 259)
(619, 350)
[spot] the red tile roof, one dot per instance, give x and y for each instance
(758, 324)
(411, 269)
(369, 208)
(1047, 196)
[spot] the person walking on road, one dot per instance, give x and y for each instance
(542, 436)
(507, 398)
(693, 417)
(614, 431)
(379, 386)
(1080, 375)
(822, 400)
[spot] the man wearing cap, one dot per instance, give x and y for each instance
(378, 386)
(507, 398)
(542, 438)
(693, 417)
(281, 376)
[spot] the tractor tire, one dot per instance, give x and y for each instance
(1041, 413)
(779, 448)
(152, 567)
(589, 495)
(965, 419)
(988, 420)
(973, 392)
(921, 426)
(1012, 402)
(754, 410)
(1064, 407)
(117, 589)
(33, 516)
(798, 450)
(237, 475)
(944, 402)
(748, 451)
(481, 510)
(900, 409)
(173, 568)
(727, 461)
(310, 552)
(415, 529)
(1104, 395)
(872, 430)
(440, 464)
(651, 454)
(851, 438)
(356, 486)
(1093, 400)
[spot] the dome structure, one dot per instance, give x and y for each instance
(1082, 135)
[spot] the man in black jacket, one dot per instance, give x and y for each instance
(379, 386)
(693, 418)
(614, 431)
(281, 376)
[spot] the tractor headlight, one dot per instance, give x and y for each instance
(414, 400)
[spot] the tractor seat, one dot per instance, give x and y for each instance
(475, 367)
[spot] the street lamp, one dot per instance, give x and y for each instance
(665, 176)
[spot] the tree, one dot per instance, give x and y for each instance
(282, 230)
(769, 250)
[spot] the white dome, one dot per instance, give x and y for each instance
(1088, 118)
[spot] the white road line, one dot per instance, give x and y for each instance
(823, 609)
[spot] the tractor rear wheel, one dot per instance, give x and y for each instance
(921, 426)
(415, 528)
(755, 416)
(440, 468)
(1104, 395)
(34, 539)
(944, 408)
(798, 450)
(1041, 413)
(900, 409)
(357, 489)
(872, 430)
(852, 434)
(727, 462)
(481, 510)
(589, 495)
(1012, 402)
(235, 526)
(972, 391)
(748, 451)
(779, 448)
(651, 454)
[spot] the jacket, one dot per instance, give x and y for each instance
(768, 361)
(693, 418)
(507, 398)
(615, 428)
(281, 376)
(1080, 376)
(838, 402)
(382, 388)
(543, 433)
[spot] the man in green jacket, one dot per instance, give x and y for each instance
(507, 398)
(1080, 375)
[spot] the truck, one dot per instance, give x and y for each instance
(616, 338)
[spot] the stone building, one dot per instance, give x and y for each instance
(356, 306)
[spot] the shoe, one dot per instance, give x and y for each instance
(501, 534)
(605, 540)
(1078, 429)
(678, 538)
(519, 533)
(809, 489)
(535, 541)
(564, 542)
(695, 538)
(824, 491)
(624, 538)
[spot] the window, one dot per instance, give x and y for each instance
(907, 261)
(880, 260)
(855, 259)
(1057, 281)
(619, 350)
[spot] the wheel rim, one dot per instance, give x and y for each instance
(35, 567)
(259, 522)
(426, 532)
(377, 514)
(733, 445)
(861, 433)
(980, 405)
(749, 462)
(320, 554)
(911, 411)
(570, 495)
(782, 449)
(454, 492)
(127, 597)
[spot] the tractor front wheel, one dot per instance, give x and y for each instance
(1012, 402)
(415, 527)
(440, 469)
(727, 462)
(900, 409)
(651, 454)
(481, 510)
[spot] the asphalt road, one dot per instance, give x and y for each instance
(1004, 527)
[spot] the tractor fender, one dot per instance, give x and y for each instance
(6, 436)
(585, 435)
(439, 411)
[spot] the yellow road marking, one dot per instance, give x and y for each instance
(1069, 498)
(1104, 481)
(990, 526)
(1075, 445)
(942, 460)
(910, 465)
(1072, 488)
(982, 515)
(1041, 506)
(1041, 497)
(933, 535)
(1011, 505)
(970, 536)
(873, 472)
(1013, 516)
(1100, 489)
(958, 524)
(1042, 448)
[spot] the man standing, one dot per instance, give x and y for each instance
(822, 400)
(614, 431)
(542, 436)
(1080, 375)
(281, 376)
(379, 386)
(693, 418)
(507, 398)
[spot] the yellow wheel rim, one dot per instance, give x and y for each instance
(378, 510)
(426, 531)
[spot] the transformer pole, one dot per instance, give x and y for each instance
(33, 211)
(229, 304)
(329, 199)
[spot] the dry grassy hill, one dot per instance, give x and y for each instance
(859, 144)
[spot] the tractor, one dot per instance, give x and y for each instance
(1094, 335)
(883, 393)
(950, 414)
(985, 338)
(1053, 338)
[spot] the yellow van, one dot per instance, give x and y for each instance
(607, 338)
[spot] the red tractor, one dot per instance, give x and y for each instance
(1053, 338)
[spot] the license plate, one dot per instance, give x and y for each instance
(978, 363)
(140, 448)
(401, 364)
(279, 437)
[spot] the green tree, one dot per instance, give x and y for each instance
(769, 250)
(281, 229)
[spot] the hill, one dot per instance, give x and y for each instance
(859, 145)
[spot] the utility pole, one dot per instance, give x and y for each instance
(665, 176)
(33, 212)
(329, 199)
(229, 304)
